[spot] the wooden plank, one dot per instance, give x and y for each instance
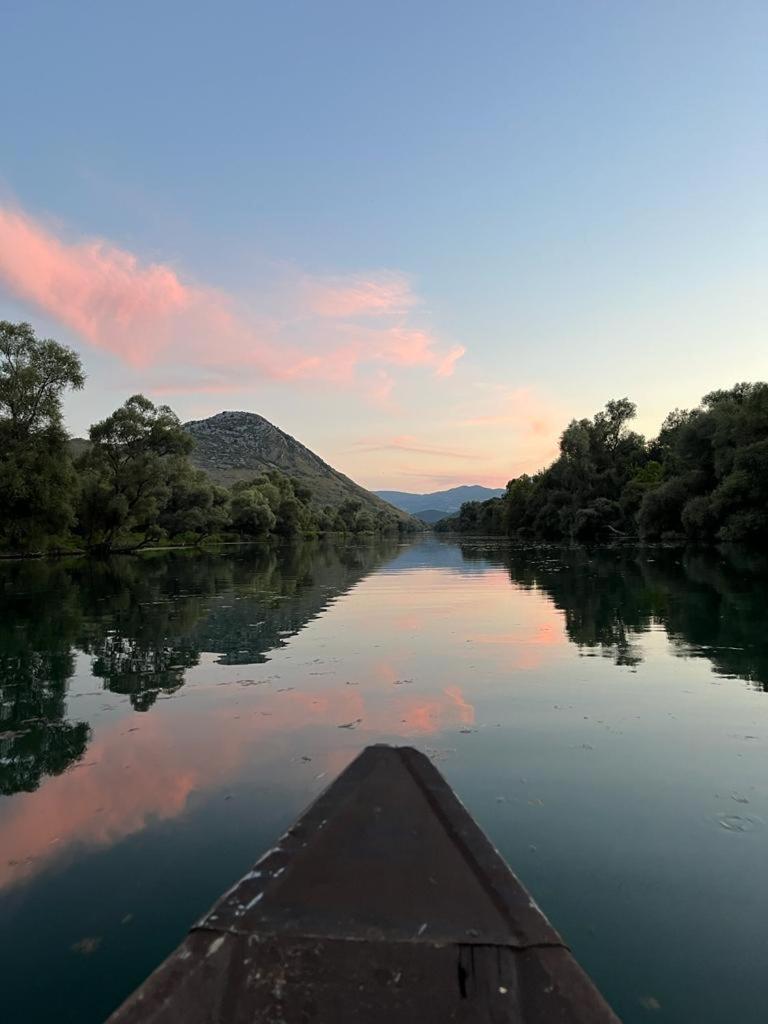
(384, 902)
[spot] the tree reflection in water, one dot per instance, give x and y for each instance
(712, 604)
(144, 621)
(39, 616)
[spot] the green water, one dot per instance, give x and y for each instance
(604, 716)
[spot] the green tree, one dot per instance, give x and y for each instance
(37, 484)
(195, 507)
(704, 479)
(134, 455)
(250, 511)
(715, 463)
(34, 374)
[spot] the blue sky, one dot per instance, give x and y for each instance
(574, 193)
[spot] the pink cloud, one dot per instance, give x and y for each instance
(408, 443)
(447, 364)
(380, 391)
(522, 409)
(201, 340)
(436, 481)
(404, 346)
(92, 287)
(360, 296)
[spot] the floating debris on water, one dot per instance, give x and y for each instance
(650, 1003)
(435, 754)
(736, 823)
(87, 945)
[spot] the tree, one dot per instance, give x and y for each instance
(250, 512)
(273, 503)
(34, 374)
(37, 484)
(195, 508)
(610, 424)
(134, 454)
(704, 479)
(580, 496)
(715, 464)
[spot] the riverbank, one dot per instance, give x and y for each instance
(207, 545)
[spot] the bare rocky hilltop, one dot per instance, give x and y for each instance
(234, 446)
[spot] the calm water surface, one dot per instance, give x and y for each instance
(604, 716)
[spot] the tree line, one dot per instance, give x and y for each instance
(133, 484)
(702, 480)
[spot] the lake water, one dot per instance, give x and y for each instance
(604, 716)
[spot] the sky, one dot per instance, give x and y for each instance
(419, 237)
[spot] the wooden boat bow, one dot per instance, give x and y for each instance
(384, 902)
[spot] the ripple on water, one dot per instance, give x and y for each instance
(739, 823)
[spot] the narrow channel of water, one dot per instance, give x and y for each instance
(604, 716)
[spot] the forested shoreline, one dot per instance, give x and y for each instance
(133, 486)
(703, 480)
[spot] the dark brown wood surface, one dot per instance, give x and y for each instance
(384, 902)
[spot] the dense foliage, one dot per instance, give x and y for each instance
(133, 485)
(37, 482)
(704, 479)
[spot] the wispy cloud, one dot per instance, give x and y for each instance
(408, 443)
(340, 298)
(494, 477)
(149, 316)
(520, 408)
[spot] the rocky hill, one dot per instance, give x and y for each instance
(239, 445)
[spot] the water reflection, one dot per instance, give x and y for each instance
(164, 717)
(39, 616)
(711, 604)
(144, 622)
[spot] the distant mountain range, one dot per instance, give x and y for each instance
(234, 446)
(438, 504)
